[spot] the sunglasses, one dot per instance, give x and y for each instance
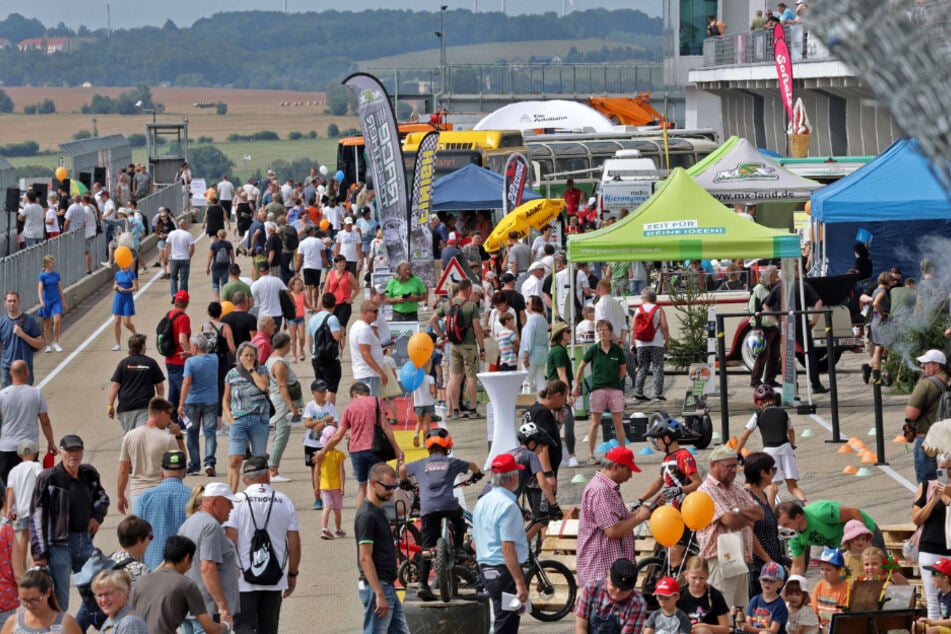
(389, 487)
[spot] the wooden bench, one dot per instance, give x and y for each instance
(895, 536)
(561, 542)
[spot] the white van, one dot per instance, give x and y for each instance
(626, 182)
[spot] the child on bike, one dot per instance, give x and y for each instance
(779, 439)
(767, 611)
(678, 476)
(435, 476)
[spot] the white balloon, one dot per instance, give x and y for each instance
(323, 170)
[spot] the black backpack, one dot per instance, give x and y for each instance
(263, 569)
(944, 401)
(456, 323)
(326, 349)
(165, 341)
(289, 239)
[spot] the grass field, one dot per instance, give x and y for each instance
(491, 53)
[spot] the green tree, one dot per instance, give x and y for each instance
(46, 107)
(221, 108)
(82, 134)
(135, 139)
(34, 171)
(294, 135)
(338, 99)
(6, 104)
(333, 131)
(207, 161)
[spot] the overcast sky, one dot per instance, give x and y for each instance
(132, 13)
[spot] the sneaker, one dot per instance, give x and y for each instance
(340, 533)
(210, 471)
(57, 347)
(194, 472)
(425, 594)
(105, 264)
(591, 461)
(866, 373)
(318, 505)
(572, 462)
(48, 349)
(157, 265)
(660, 397)
(326, 534)
(640, 397)
(819, 389)
(116, 348)
(279, 478)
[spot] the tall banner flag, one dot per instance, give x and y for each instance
(783, 68)
(385, 156)
(516, 173)
(420, 231)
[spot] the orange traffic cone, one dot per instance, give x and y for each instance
(869, 458)
(900, 438)
(850, 470)
(733, 443)
(845, 449)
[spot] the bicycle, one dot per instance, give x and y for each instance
(651, 569)
(552, 587)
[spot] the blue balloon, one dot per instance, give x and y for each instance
(339, 176)
(411, 377)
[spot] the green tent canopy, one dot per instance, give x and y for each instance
(681, 221)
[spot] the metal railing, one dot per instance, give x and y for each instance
(756, 47)
(170, 196)
(522, 79)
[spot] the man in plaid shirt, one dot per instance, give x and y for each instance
(611, 604)
(606, 527)
(733, 510)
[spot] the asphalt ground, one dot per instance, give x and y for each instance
(76, 384)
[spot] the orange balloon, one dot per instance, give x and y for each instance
(324, 224)
(420, 349)
(123, 257)
(667, 525)
(226, 307)
(808, 207)
(61, 173)
(697, 510)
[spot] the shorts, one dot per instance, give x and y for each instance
(89, 244)
(312, 277)
(332, 499)
(464, 359)
(606, 399)
(330, 372)
(54, 307)
(309, 455)
(296, 320)
(160, 245)
(21, 523)
(362, 461)
(786, 468)
(423, 410)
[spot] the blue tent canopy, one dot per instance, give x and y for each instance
(472, 188)
(897, 198)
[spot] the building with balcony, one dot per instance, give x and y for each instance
(731, 86)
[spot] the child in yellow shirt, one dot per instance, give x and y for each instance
(332, 479)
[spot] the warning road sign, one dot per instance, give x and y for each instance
(456, 271)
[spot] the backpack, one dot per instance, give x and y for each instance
(215, 343)
(456, 323)
(289, 238)
(96, 563)
(944, 401)
(263, 569)
(222, 255)
(325, 349)
(644, 327)
(165, 341)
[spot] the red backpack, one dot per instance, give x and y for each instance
(644, 328)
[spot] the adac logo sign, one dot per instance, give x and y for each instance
(747, 172)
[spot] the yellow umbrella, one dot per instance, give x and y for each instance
(535, 214)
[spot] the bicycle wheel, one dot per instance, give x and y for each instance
(444, 577)
(408, 573)
(649, 572)
(551, 589)
(467, 581)
(408, 541)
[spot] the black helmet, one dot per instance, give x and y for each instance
(665, 427)
(530, 431)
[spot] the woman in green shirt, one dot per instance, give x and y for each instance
(404, 292)
(608, 366)
(559, 368)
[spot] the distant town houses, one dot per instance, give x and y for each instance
(48, 45)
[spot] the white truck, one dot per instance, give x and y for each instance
(626, 182)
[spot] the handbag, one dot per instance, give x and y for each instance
(296, 392)
(381, 447)
(288, 307)
(910, 547)
(730, 555)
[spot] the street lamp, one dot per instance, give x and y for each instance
(441, 34)
(138, 104)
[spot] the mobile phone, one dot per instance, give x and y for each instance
(943, 476)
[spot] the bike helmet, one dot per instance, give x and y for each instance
(756, 344)
(763, 392)
(530, 431)
(667, 427)
(438, 437)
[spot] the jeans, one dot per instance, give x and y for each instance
(395, 620)
(636, 286)
(926, 469)
(29, 242)
(219, 277)
(176, 374)
(204, 417)
(65, 559)
(179, 270)
(192, 626)
(498, 580)
(260, 612)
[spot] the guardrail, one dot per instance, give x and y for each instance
(170, 196)
(756, 47)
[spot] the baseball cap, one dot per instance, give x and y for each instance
(832, 556)
(318, 385)
(624, 457)
(219, 489)
(181, 297)
(933, 356)
(623, 573)
(234, 269)
(27, 447)
(942, 567)
(723, 452)
(254, 463)
(772, 572)
(503, 463)
(507, 278)
(453, 237)
(174, 460)
(666, 587)
(348, 220)
(71, 441)
(853, 529)
(263, 265)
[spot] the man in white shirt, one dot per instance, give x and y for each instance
(366, 353)
(312, 260)
(610, 310)
(32, 218)
(334, 214)
(260, 506)
(225, 194)
(562, 282)
(266, 291)
(75, 215)
(179, 248)
(533, 283)
(287, 190)
(254, 194)
(547, 237)
(349, 245)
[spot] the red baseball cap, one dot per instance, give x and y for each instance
(503, 463)
(942, 567)
(181, 297)
(623, 456)
(666, 587)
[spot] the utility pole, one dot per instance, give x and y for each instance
(108, 20)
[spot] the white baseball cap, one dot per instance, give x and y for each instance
(933, 356)
(219, 489)
(348, 220)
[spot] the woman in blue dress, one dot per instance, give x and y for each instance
(126, 284)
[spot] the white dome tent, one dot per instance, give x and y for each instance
(555, 114)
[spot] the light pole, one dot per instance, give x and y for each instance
(441, 34)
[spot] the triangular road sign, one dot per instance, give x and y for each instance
(457, 270)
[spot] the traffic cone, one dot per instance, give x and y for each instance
(864, 472)
(578, 479)
(869, 458)
(645, 451)
(850, 470)
(899, 439)
(807, 433)
(733, 443)
(845, 449)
